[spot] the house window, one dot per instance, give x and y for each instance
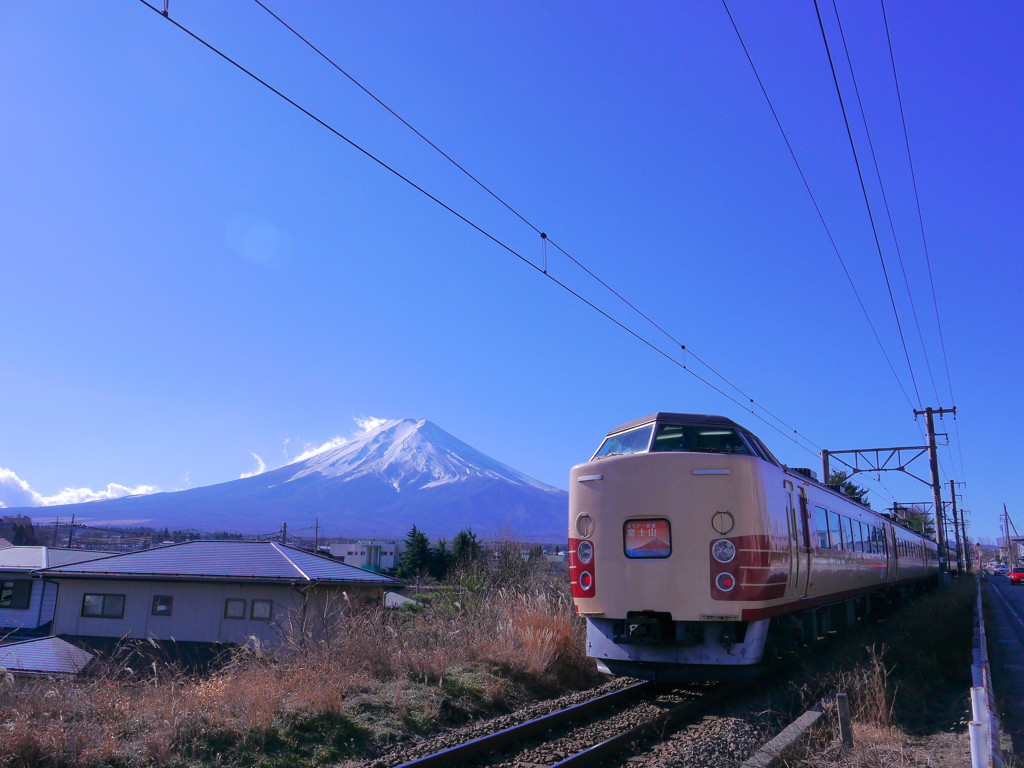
(234, 608)
(15, 594)
(103, 606)
(162, 605)
(262, 610)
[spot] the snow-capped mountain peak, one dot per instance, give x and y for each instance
(407, 454)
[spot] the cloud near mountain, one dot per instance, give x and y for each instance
(15, 492)
(379, 483)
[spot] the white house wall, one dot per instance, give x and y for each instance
(40, 607)
(197, 613)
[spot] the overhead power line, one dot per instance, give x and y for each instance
(867, 200)
(474, 225)
(885, 198)
(545, 237)
(924, 238)
(814, 202)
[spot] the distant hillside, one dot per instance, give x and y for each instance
(379, 484)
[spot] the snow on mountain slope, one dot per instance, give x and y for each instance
(409, 454)
(404, 472)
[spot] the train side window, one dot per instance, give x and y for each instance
(821, 518)
(835, 530)
(858, 532)
(849, 532)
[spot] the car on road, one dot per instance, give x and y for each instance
(1017, 574)
(1000, 569)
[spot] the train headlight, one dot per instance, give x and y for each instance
(725, 582)
(585, 525)
(724, 551)
(585, 551)
(586, 581)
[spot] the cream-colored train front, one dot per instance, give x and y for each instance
(692, 550)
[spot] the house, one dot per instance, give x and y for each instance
(27, 604)
(380, 555)
(207, 592)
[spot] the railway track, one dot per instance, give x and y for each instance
(584, 734)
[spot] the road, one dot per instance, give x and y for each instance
(1005, 630)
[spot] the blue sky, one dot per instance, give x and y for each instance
(194, 272)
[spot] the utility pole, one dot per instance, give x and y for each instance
(961, 561)
(71, 531)
(1011, 548)
(967, 546)
(933, 455)
(284, 533)
(316, 536)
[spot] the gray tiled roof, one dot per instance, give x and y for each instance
(45, 655)
(255, 560)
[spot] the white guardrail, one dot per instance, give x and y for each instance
(986, 750)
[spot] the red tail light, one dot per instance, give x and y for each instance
(582, 568)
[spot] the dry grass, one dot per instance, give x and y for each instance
(908, 692)
(296, 707)
(876, 747)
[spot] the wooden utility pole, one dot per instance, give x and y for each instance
(956, 529)
(933, 456)
(967, 546)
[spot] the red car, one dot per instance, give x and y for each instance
(1017, 575)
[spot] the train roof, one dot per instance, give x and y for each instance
(679, 418)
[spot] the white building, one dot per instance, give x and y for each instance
(376, 555)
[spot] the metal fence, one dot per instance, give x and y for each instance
(986, 749)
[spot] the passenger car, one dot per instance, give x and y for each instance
(1017, 574)
(694, 554)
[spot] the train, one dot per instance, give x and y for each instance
(694, 554)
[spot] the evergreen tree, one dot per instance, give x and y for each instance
(916, 519)
(415, 560)
(465, 547)
(849, 488)
(440, 560)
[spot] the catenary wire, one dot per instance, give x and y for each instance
(885, 197)
(867, 200)
(523, 218)
(814, 202)
(924, 238)
(470, 223)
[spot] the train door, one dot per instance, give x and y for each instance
(799, 541)
(804, 513)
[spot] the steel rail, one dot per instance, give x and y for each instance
(653, 727)
(495, 741)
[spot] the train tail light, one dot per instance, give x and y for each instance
(582, 568)
(725, 582)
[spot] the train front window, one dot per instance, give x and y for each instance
(634, 441)
(692, 439)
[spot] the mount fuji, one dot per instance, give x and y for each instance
(403, 472)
